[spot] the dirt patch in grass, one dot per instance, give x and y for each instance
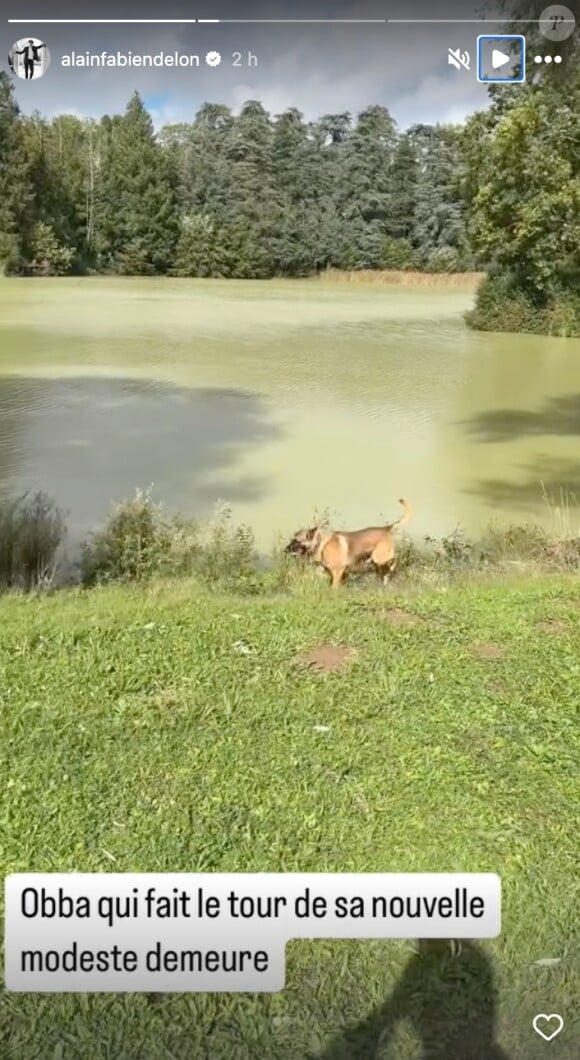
(396, 617)
(552, 625)
(489, 652)
(326, 657)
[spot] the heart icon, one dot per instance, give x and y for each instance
(556, 1021)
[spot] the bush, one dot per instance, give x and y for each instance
(513, 543)
(444, 259)
(10, 254)
(226, 553)
(437, 557)
(564, 316)
(501, 306)
(134, 259)
(398, 254)
(32, 529)
(139, 542)
(47, 256)
(130, 546)
(195, 253)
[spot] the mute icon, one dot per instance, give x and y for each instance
(457, 58)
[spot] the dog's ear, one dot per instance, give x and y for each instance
(311, 534)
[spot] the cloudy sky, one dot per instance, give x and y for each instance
(318, 68)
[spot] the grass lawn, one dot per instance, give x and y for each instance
(170, 729)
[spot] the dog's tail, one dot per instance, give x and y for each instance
(407, 513)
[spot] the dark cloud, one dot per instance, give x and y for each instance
(315, 67)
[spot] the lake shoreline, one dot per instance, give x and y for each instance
(139, 542)
(403, 278)
(359, 277)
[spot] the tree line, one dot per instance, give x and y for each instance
(251, 195)
(247, 195)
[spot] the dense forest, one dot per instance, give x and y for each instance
(244, 195)
(252, 195)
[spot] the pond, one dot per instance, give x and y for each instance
(282, 398)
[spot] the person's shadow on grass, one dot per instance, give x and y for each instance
(448, 999)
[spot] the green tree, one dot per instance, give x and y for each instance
(403, 178)
(198, 246)
(241, 195)
(137, 218)
(197, 157)
(296, 240)
(439, 215)
(368, 158)
(70, 144)
(363, 188)
(16, 190)
(60, 176)
(245, 246)
(47, 257)
(523, 187)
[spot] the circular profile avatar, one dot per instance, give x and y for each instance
(29, 58)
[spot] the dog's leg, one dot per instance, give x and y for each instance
(386, 571)
(383, 557)
(336, 576)
(390, 571)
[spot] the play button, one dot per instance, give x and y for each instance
(499, 59)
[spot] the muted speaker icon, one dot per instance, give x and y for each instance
(457, 58)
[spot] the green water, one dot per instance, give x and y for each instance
(281, 398)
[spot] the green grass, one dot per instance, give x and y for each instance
(137, 737)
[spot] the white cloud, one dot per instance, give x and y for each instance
(442, 99)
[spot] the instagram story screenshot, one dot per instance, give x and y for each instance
(290, 530)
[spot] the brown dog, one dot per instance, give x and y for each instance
(338, 551)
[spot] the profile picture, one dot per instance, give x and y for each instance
(29, 58)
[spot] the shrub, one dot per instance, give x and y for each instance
(10, 254)
(32, 529)
(398, 254)
(47, 256)
(225, 553)
(513, 543)
(564, 316)
(195, 253)
(134, 259)
(138, 542)
(444, 259)
(131, 544)
(502, 306)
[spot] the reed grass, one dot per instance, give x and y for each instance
(393, 277)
